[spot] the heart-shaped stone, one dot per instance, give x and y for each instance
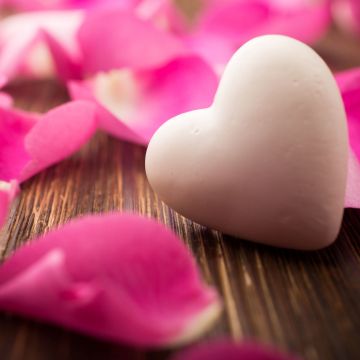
(267, 161)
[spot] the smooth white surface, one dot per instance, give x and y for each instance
(268, 160)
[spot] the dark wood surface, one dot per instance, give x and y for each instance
(304, 302)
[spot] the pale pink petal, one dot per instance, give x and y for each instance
(135, 104)
(29, 143)
(6, 101)
(112, 38)
(3, 80)
(8, 191)
(232, 351)
(119, 277)
(305, 20)
(24, 49)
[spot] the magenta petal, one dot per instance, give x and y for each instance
(29, 143)
(119, 277)
(30, 5)
(66, 67)
(58, 134)
(349, 83)
(112, 38)
(135, 104)
(8, 191)
(232, 351)
(14, 127)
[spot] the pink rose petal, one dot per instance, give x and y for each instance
(65, 66)
(134, 104)
(29, 5)
(222, 26)
(8, 191)
(349, 84)
(14, 127)
(6, 101)
(347, 15)
(112, 38)
(24, 49)
(30, 143)
(117, 277)
(232, 351)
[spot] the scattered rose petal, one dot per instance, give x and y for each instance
(119, 277)
(14, 127)
(220, 27)
(29, 143)
(24, 48)
(8, 191)
(232, 351)
(30, 5)
(347, 15)
(133, 104)
(6, 101)
(349, 84)
(112, 38)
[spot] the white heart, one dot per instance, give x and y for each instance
(267, 161)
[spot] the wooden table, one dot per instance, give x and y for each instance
(305, 302)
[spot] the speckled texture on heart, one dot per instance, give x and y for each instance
(267, 161)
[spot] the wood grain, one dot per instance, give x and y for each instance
(304, 302)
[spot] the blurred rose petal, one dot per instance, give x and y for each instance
(134, 104)
(30, 143)
(232, 351)
(8, 191)
(347, 14)
(6, 101)
(118, 277)
(349, 83)
(14, 127)
(24, 48)
(111, 38)
(29, 5)
(220, 27)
